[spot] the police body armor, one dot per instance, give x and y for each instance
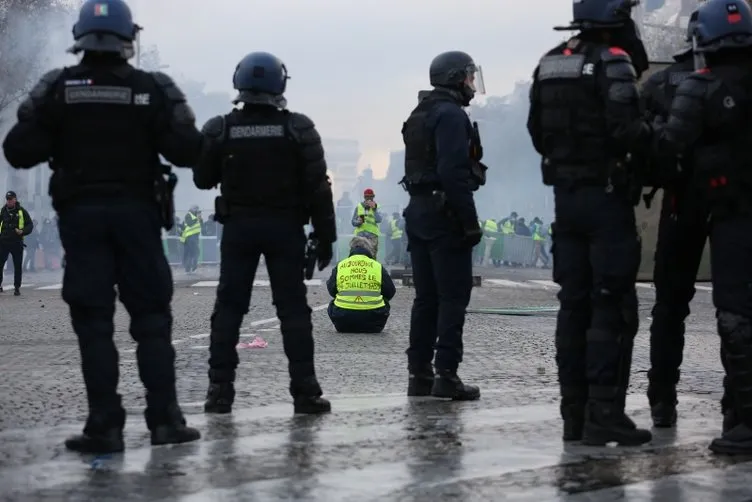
(420, 149)
(105, 144)
(658, 93)
(722, 158)
(572, 117)
(261, 168)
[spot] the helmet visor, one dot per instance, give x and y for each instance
(474, 78)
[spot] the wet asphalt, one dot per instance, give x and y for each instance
(377, 445)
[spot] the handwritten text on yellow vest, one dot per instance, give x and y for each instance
(359, 284)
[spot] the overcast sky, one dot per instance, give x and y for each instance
(356, 65)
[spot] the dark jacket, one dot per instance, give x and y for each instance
(387, 285)
(9, 221)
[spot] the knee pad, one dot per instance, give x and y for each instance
(733, 328)
(151, 326)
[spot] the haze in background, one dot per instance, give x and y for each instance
(356, 67)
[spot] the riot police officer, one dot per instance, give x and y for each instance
(442, 155)
(585, 120)
(709, 120)
(270, 164)
(682, 233)
(101, 125)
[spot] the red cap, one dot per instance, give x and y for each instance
(368, 192)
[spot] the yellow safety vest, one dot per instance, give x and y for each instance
(369, 221)
(359, 284)
(507, 227)
(191, 229)
(396, 231)
(490, 226)
(21, 221)
(537, 235)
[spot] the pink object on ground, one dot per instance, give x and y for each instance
(256, 343)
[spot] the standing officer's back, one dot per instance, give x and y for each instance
(270, 163)
(709, 121)
(682, 233)
(442, 169)
(101, 124)
(584, 120)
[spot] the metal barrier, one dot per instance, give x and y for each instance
(514, 249)
(208, 250)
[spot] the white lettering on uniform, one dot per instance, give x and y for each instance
(257, 131)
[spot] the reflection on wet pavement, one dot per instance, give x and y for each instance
(383, 448)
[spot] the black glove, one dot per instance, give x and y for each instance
(471, 236)
(325, 254)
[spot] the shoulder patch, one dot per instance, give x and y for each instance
(561, 66)
(214, 127)
(677, 77)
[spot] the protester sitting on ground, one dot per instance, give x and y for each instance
(361, 288)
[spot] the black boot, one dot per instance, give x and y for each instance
(306, 393)
(17, 292)
(606, 422)
(420, 380)
(446, 384)
(168, 426)
(736, 339)
(219, 398)
(572, 408)
(103, 433)
(730, 418)
(662, 405)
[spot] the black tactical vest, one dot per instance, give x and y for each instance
(262, 169)
(107, 142)
(420, 147)
(572, 113)
(722, 157)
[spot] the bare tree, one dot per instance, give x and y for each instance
(24, 40)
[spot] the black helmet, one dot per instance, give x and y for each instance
(260, 78)
(722, 25)
(456, 70)
(105, 26)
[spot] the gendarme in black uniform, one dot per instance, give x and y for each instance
(442, 170)
(682, 234)
(270, 164)
(709, 121)
(15, 224)
(101, 125)
(584, 120)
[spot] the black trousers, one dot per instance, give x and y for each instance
(282, 242)
(358, 321)
(682, 234)
(596, 253)
(118, 243)
(442, 267)
(731, 269)
(14, 248)
(191, 253)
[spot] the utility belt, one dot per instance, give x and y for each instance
(225, 210)
(69, 186)
(613, 175)
(423, 190)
